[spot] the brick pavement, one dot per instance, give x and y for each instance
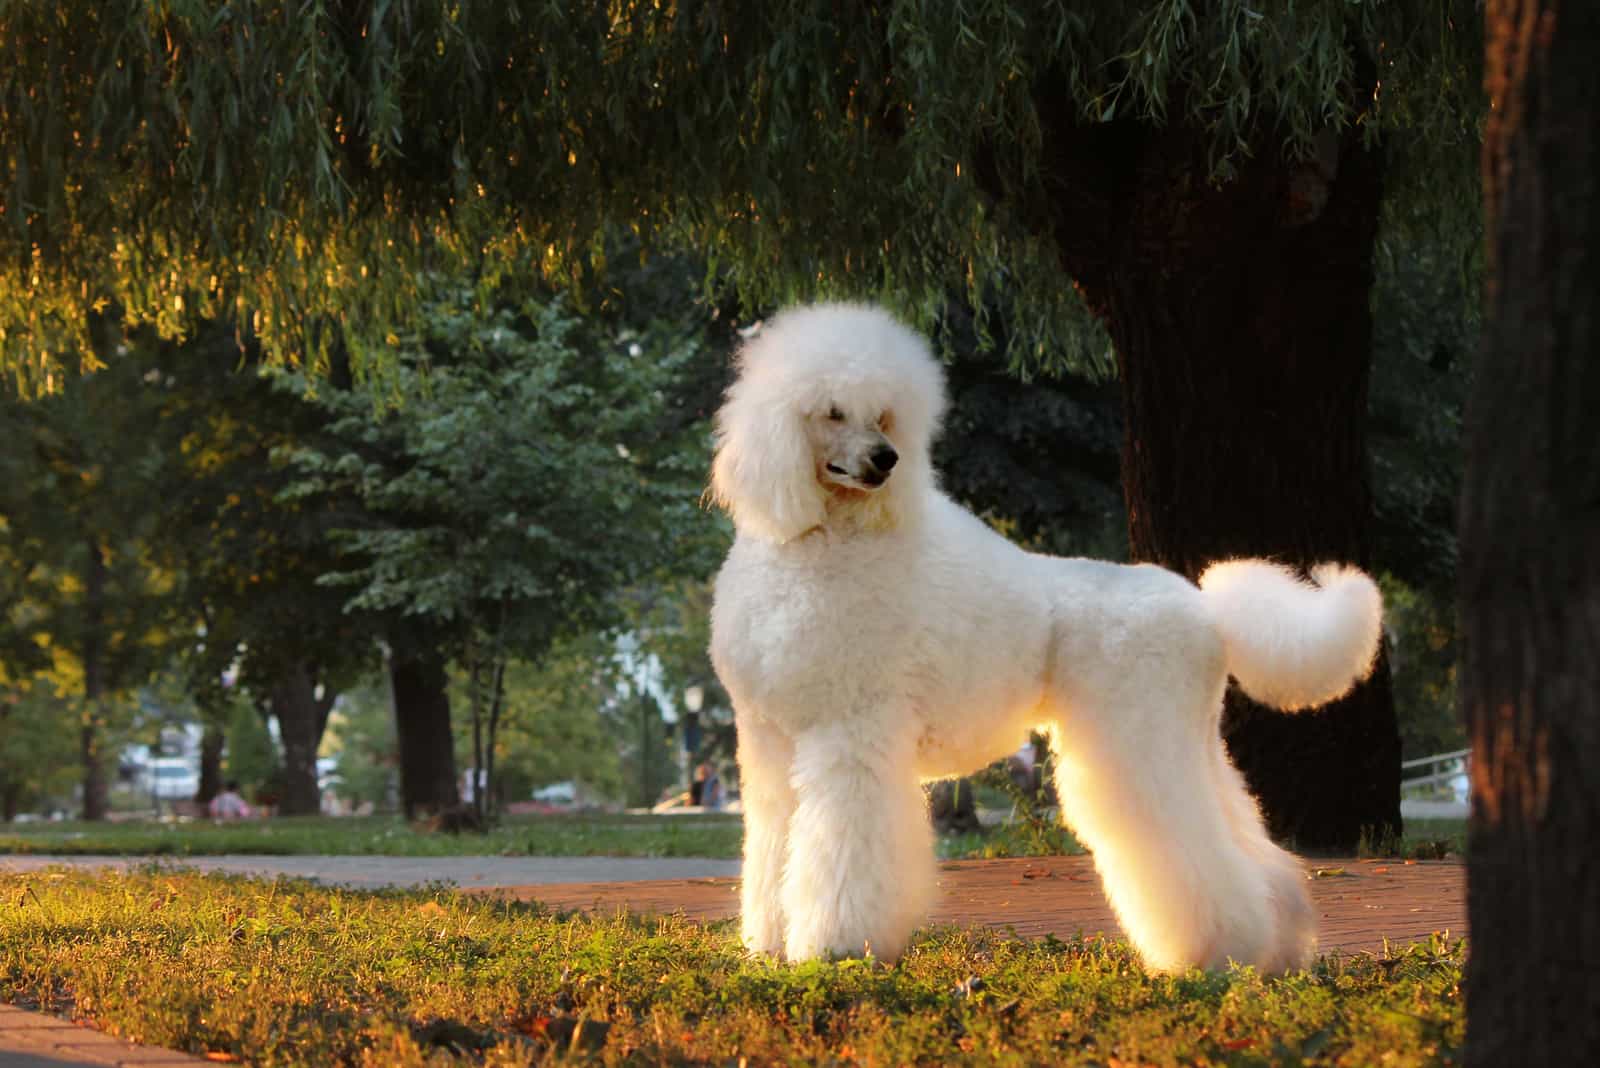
(1360, 903)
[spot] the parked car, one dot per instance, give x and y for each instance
(171, 778)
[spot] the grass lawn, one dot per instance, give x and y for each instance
(288, 973)
(586, 835)
(543, 836)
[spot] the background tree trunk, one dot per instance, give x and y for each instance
(211, 743)
(302, 717)
(1240, 318)
(422, 723)
(95, 796)
(1530, 550)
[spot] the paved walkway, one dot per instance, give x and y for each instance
(370, 873)
(1362, 904)
(33, 1040)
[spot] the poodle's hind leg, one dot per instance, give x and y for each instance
(765, 756)
(861, 874)
(1289, 898)
(1138, 788)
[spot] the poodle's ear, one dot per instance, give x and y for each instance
(764, 473)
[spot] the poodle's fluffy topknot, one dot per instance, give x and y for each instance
(855, 357)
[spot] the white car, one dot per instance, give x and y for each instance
(171, 779)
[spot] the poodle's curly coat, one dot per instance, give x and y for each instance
(873, 634)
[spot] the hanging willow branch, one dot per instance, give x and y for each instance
(285, 164)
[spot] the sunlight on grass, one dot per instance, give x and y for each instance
(288, 973)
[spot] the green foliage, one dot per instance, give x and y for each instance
(474, 477)
(246, 561)
(650, 761)
(290, 974)
(249, 754)
(294, 166)
(361, 731)
(553, 729)
(1426, 326)
(669, 621)
(38, 750)
(79, 546)
(1423, 654)
(1039, 456)
(90, 612)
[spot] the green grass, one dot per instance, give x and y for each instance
(1422, 840)
(587, 835)
(288, 973)
(1024, 838)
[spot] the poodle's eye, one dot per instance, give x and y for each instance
(886, 422)
(835, 415)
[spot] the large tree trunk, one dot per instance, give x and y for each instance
(302, 716)
(1240, 318)
(1530, 551)
(211, 743)
(95, 795)
(422, 724)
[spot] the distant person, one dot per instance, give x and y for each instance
(229, 805)
(710, 786)
(697, 788)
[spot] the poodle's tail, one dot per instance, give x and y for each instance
(1294, 644)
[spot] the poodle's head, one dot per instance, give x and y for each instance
(832, 415)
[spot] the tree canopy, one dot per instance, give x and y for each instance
(287, 165)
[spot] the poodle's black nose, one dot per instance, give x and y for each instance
(884, 458)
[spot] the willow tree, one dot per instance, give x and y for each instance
(1184, 193)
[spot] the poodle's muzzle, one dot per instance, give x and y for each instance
(875, 471)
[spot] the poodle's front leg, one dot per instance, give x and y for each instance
(860, 875)
(765, 755)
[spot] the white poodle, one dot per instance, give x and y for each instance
(873, 635)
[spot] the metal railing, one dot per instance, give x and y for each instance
(1450, 766)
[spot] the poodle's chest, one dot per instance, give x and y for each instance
(803, 643)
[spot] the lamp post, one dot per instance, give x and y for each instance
(693, 698)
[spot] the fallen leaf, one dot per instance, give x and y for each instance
(534, 1026)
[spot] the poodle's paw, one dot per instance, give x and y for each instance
(1294, 925)
(762, 932)
(811, 945)
(822, 941)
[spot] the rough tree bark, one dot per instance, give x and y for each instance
(302, 717)
(95, 788)
(1530, 550)
(422, 724)
(211, 743)
(1240, 317)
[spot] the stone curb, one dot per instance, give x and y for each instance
(35, 1040)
